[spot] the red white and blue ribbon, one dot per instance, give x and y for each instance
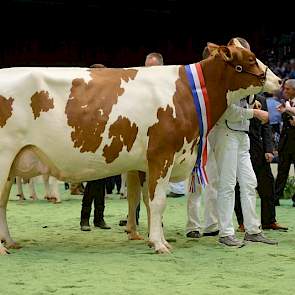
(201, 100)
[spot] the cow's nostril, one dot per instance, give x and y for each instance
(280, 82)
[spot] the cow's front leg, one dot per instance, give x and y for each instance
(157, 206)
(4, 232)
(20, 192)
(54, 193)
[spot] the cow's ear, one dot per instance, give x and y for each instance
(225, 53)
(213, 48)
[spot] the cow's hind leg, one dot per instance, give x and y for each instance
(133, 196)
(7, 157)
(4, 232)
(145, 196)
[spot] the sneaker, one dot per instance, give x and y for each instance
(211, 233)
(230, 241)
(259, 238)
(193, 234)
(174, 195)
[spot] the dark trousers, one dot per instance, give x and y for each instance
(286, 158)
(110, 184)
(118, 182)
(265, 188)
(113, 181)
(94, 191)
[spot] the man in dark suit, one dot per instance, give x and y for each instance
(261, 153)
(287, 139)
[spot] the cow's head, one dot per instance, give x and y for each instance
(272, 82)
(244, 74)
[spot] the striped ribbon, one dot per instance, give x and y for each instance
(201, 100)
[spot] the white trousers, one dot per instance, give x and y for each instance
(210, 197)
(233, 163)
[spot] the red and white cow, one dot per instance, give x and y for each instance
(85, 124)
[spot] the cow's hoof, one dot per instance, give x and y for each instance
(135, 236)
(13, 245)
(167, 245)
(162, 250)
(3, 251)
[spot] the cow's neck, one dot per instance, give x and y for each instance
(214, 76)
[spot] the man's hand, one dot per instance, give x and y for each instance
(282, 107)
(260, 115)
(292, 121)
(268, 157)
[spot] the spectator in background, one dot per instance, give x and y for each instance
(275, 120)
(287, 141)
(261, 153)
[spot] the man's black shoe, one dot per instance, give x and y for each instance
(102, 224)
(193, 234)
(123, 222)
(211, 234)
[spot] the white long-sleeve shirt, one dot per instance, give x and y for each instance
(237, 116)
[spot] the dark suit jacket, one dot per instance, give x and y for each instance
(287, 136)
(260, 134)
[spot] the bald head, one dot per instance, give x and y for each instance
(289, 89)
(154, 59)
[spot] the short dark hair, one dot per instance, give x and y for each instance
(97, 66)
(206, 53)
(243, 42)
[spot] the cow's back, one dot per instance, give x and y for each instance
(86, 120)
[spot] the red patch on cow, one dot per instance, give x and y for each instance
(90, 105)
(40, 102)
(5, 109)
(122, 134)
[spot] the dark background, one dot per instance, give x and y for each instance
(121, 33)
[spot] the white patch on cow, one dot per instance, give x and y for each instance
(84, 106)
(236, 95)
(181, 169)
(272, 82)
